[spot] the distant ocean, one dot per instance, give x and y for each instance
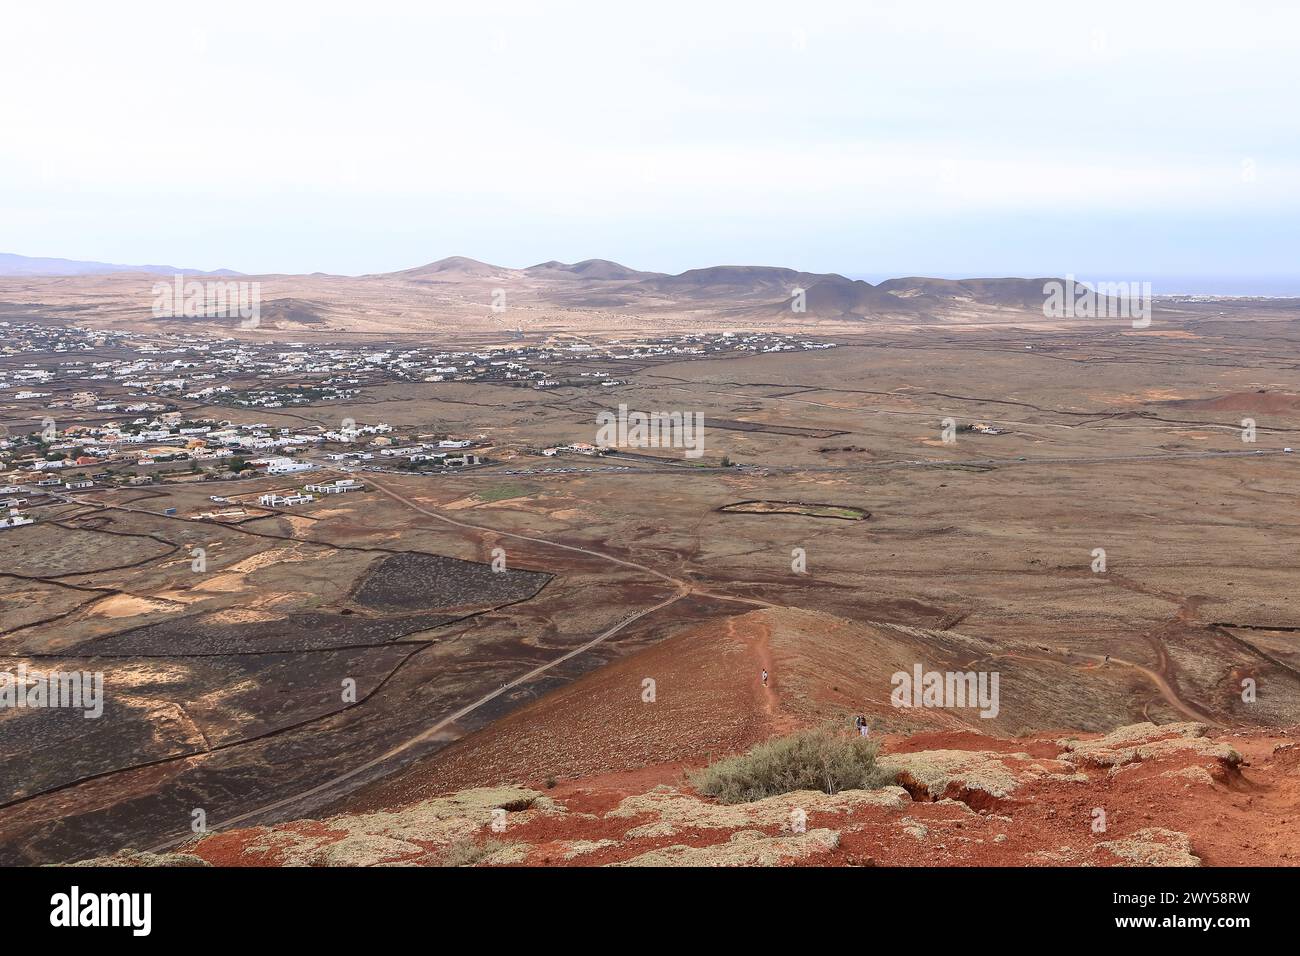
(1275, 286)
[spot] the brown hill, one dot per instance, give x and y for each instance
(709, 700)
(292, 312)
(836, 295)
(732, 282)
(602, 269)
(451, 267)
(595, 296)
(1257, 402)
(1008, 292)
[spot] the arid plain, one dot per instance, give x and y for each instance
(889, 532)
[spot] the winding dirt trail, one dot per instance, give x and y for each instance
(1184, 707)
(1167, 691)
(759, 644)
(681, 588)
(403, 500)
(429, 733)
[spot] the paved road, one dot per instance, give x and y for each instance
(673, 468)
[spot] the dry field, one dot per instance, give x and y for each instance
(977, 554)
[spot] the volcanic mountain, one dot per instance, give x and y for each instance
(458, 293)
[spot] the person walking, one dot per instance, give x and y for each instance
(764, 676)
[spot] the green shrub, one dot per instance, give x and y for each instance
(824, 759)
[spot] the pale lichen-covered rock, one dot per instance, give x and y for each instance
(749, 850)
(651, 831)
(1062, 856)
(1140, 742)
(582, 847)
(956, 773)
(1192, 774)
(671, 806)
(404, 835)
(505, 855)
(142, 858)
(1154, 846)
(914, 828)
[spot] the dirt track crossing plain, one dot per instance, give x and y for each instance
(326, 648)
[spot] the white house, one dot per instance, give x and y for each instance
(284, 501)
(337, 487)
(282, 466)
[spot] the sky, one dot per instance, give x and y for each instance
(1108, 140)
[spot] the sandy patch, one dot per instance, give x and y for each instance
(221, 582)
(279, 599)
(239, 615)
(333, 512)
(460, 504)
(1145, 397)
(126, 605)
(264, 559)
(179, 597)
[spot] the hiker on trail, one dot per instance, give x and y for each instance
(764, 676)
(861, 723)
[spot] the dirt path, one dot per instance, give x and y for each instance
(681, 589)
(686, 587)
(427, 734)
(759, 644)
(1186, 708)
(1167, 691)
(402, 499)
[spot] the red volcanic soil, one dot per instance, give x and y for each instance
(1142, 795)
(596, 774)
(708, 699)
(1264, 403)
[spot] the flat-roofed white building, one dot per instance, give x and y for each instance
(337, 487)
(282, 466)
(284, 501)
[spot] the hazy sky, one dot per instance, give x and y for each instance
(1110, 140)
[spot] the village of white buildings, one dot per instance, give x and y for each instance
(83, 408)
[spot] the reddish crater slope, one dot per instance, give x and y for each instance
(1142, 795)
(597, 773)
